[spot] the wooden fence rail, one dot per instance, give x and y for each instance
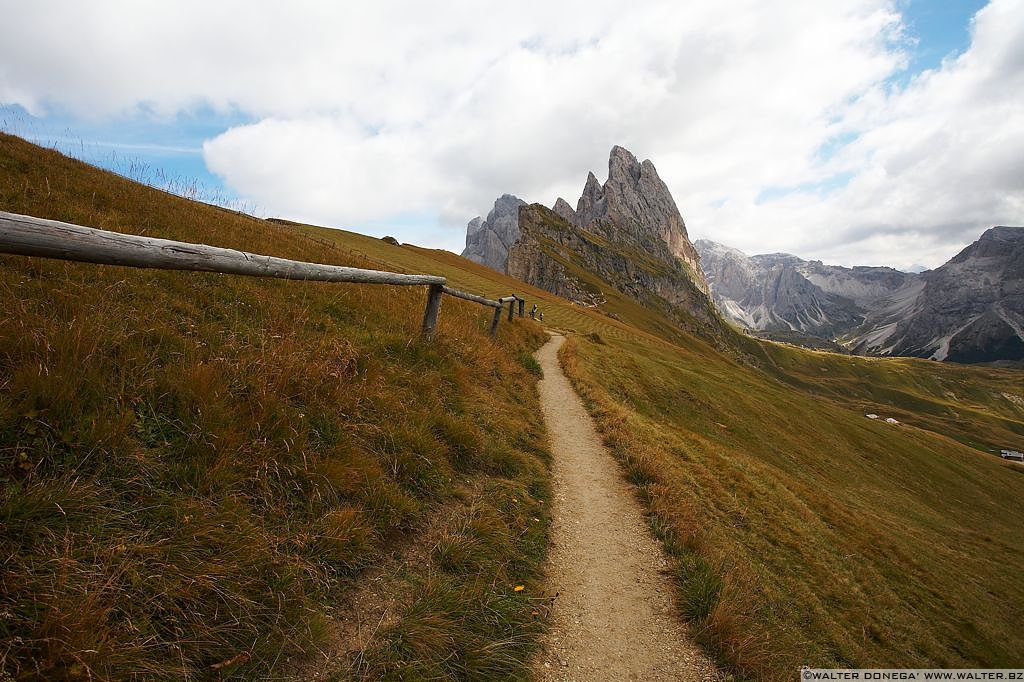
(29, 236)
(471, 297)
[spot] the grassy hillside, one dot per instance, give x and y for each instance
(804, 533)
(206, 476)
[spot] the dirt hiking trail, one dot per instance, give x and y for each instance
(614, 617)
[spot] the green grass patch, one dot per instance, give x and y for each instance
(531, 365)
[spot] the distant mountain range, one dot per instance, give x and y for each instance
(971, 309)
(628, 232)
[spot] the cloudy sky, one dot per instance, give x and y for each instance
(854, 131)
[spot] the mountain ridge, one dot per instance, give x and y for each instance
(628, 231)
(971, 309)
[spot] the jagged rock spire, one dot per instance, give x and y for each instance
(488, 241)
(635, 206)
(564, 210)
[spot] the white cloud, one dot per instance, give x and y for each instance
(380, 111)
(933, 164)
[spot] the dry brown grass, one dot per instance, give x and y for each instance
(195, 466)
(803, 533)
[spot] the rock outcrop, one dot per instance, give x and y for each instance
(530, 258)
(488, 241)
(626, 234)
(564, 210)
(635, 207)
(579, 265)
(632, 208)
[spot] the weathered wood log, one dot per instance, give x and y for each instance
(434, 295)
(470, 297)
(495, 320)
(28, 236)
(522, 306)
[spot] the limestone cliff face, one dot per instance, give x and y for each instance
(577, 264)
(969, 310)
(634, 206)
(530, 258)
(776, 293)
(487, 241)
(626, 234)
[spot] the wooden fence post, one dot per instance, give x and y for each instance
(434, 294)
(495, 320)
(522, 305)
(511, 309)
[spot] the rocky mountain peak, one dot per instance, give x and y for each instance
(1003, 233)
(506, 206)
(633, 208)
(591, 205)
(637, 207)
(488, 241)
(563, 209)
(970, 309)
(994, 242)
(623, 166)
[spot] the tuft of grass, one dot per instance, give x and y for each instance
(531, 365)
(345, 538)
(700, 587)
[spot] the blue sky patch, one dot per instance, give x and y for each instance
(941, 28)
(823, 187)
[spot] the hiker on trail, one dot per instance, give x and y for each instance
(533, 312)
(542, 317)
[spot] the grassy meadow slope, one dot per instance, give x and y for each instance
(804, 533)
(200, 473)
